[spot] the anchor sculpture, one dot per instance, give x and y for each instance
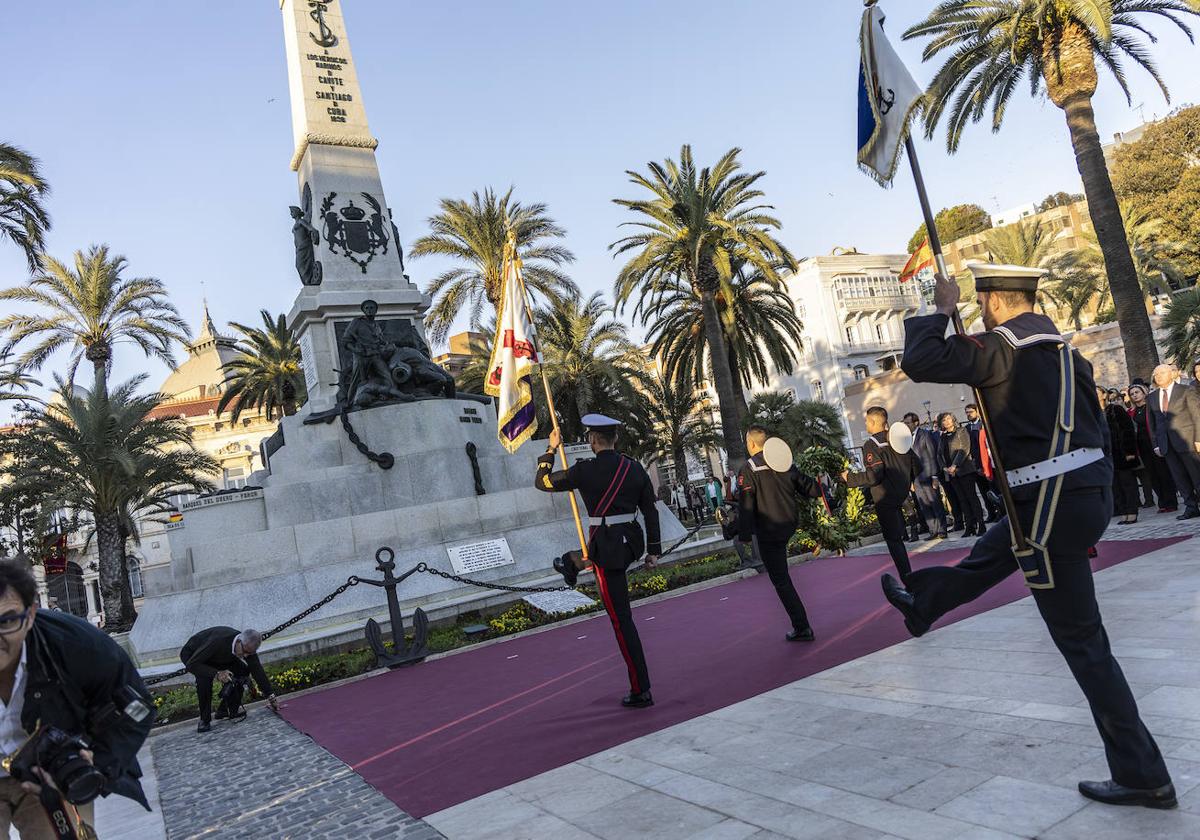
(402, 653)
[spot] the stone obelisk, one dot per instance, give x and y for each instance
(347, 247)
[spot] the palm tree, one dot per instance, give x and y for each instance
(762, 337)
(1021, 243)
(104, 456)
(994, 44)
(1077, 282)
(582, 349)
(90, 308)
(770, 408)
(473, 235)
(1182, 321)
(14, 382)
(266, 374)
(23, 220)
(694, 228)
(675, 416)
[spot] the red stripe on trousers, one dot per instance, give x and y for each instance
(602, 585)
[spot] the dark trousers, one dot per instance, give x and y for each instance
(963, 486)
(204, 686)
(955, 505)
(929, 500)
(891, 522)
(1125, 493)
(1160, 479)
(614, 594)
(984, 485)
(1185, 469)
(1072, 616)
(774, 557)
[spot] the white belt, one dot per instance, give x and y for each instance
(1043, 470)
(616, 519)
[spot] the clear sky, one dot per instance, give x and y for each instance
(164, 126)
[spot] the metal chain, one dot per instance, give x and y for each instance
(350, 581)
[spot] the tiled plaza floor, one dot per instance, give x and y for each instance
(975, 732)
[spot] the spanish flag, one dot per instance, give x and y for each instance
(918, 262)
(513, 356)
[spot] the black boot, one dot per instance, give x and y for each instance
(565, 567)
(902, 599)
(641, 700)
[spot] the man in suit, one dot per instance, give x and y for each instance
(223, 654)
(1175, 414)
(925, 449)
(767, 511)
(889, 474)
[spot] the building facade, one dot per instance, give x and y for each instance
(1067, 225)
(853, 308)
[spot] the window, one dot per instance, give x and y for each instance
(860, 372)
(234, 477)
(818, 390)
(850, 335)
(135, 576)
(879, 333)
(67, 591)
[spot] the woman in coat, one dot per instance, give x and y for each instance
(959, 468)
(1154, 466)
(1125, 458)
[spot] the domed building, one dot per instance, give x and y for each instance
(191, 392)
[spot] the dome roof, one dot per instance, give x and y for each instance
(200, 375)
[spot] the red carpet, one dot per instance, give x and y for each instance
(443, 732)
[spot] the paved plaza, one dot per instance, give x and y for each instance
(974, 732)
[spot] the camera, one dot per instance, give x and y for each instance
(56, 752)
(231, 693)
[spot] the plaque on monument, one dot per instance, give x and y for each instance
(307, 363)
(577, 452)
(475, 557)
(559, 602)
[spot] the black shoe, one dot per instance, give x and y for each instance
(567, 569)
(204, 726)
(1111, 793)
(902, 599)
(238, 717)
(222, 714)
(1190, 513)
(800, 635)
(637, 701)
(934, 537)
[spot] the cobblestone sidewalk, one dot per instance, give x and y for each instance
(263, 779)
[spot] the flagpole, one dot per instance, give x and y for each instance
(510, 266)
(935, 243)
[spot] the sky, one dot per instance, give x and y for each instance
(164, 126)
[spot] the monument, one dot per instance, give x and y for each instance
(412, 464)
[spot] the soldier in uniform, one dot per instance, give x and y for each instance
(1040, 395)
(614, 488)
(890, 475)
(767, 510)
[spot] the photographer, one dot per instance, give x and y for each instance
(73, 714)
(231, 658)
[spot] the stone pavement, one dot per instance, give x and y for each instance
(263, 779)
(118, 818)
(975, 732)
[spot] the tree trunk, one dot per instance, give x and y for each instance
(1070, 76)
(739, 392)
(109, 548)
(99, 354)
(680, 456)
(731, 427)
(128, 613)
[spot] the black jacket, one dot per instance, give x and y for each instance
(1179, 429)
(1143, 429)
(73, 677)
(767, 500)
(1016, 367)
(888, 473)
(954, 450)
(925, 448)
(592, 478)
(211, 650)
(1124, 438)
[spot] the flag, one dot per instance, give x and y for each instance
(918, 262)
(513, 357)
(887, 97)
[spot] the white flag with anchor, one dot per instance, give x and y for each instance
(887, 97)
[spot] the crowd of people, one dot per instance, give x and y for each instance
(696, 502)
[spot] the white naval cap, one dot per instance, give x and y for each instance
(599, 421)
(994, 277)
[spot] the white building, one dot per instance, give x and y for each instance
(1014, 214)
(853, 308)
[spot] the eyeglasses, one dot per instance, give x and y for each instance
(11, 623)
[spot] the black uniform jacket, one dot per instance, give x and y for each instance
(888, 473)
(593, 477)
(73, 677)
(1016, 368)
(211, 650)
(767, 500)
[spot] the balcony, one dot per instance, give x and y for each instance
(864, 348)
(880, 303)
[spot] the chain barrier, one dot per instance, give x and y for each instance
(353, 580)
(350, 581)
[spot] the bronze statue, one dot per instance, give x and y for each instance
(373, 371)
(306, 239)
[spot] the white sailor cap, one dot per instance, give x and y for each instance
(599, 421)
(991, 277)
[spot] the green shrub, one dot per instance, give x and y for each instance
(513, 620)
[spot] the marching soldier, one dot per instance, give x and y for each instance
(1040, 395)
(890, 475)
(614, 488)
